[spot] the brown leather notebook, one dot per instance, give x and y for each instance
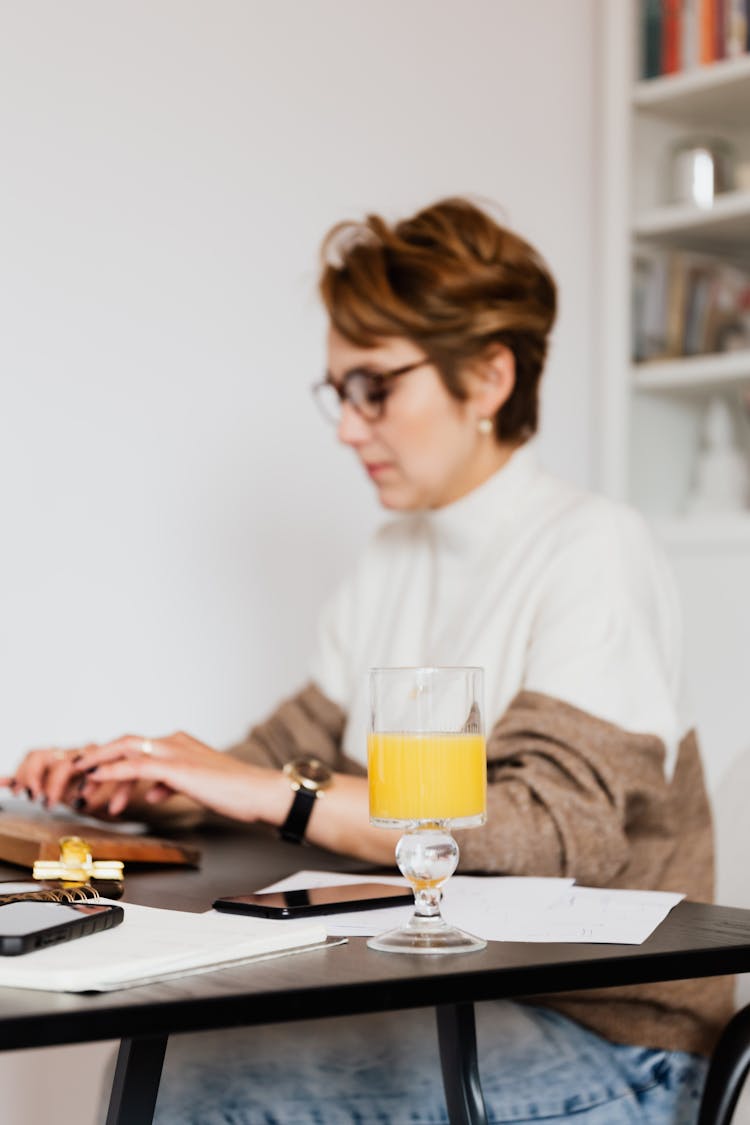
(25, 839)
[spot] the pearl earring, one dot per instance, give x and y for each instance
(484, 425)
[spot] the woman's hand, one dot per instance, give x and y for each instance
(49, 775)
(107, 780)
(133, 774)
(178, 763)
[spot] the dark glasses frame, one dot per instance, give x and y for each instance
(366, 391)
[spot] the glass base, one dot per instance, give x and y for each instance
(426, 935)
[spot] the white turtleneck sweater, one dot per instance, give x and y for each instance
(547, 587)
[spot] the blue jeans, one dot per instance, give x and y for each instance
(536, 1066)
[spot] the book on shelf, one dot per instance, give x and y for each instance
(677, 35)
(686, 303)
(689, 40)
(738, 27)
(651, 35)
(710, 46)
(671, 45)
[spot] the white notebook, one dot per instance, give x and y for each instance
(152, 945)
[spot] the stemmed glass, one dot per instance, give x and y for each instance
(427, 774)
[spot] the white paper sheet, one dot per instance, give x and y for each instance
(510, 908)
(593, 914)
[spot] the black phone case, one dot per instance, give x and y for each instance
(12, 945)
(255, 910)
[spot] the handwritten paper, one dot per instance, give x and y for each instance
(596, 915)
(510, 908)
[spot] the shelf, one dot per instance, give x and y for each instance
(654, 413)
(698, 372)
(720, 531)
(721, 229)
(717, 95)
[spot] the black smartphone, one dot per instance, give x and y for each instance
(25, 926)
(316, 900)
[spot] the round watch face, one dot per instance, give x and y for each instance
(310, 773)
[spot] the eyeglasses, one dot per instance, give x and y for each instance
(367, 391)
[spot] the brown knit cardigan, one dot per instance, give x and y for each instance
(568, 795)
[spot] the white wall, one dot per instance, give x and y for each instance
(173, 509)
(713, 587)
(174, 506)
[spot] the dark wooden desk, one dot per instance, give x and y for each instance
(695, 940)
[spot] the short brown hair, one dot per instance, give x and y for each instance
(452, 280)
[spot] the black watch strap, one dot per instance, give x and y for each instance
(293, 828)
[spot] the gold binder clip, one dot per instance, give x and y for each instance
(76, 864)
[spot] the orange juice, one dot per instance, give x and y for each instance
(427, 776)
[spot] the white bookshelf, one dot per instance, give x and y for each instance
(701, 96)
(652, 412)
(724, 229)
(697, 372)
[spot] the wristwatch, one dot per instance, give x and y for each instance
(308, 778)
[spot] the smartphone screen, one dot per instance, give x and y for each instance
(25, 926)
(316, 900)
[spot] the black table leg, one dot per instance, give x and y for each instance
(136, 1082)
(457, 1037)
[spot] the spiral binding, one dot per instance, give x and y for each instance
(83, 893)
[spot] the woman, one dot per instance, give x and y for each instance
(438, 335)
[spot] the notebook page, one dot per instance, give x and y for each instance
(152, 943)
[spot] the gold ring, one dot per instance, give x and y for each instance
(147, 746)
(59, 755)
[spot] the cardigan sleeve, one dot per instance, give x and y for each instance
(307, 723)
(562, 784)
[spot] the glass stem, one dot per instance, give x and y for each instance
(427, 855)
(427, 901)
